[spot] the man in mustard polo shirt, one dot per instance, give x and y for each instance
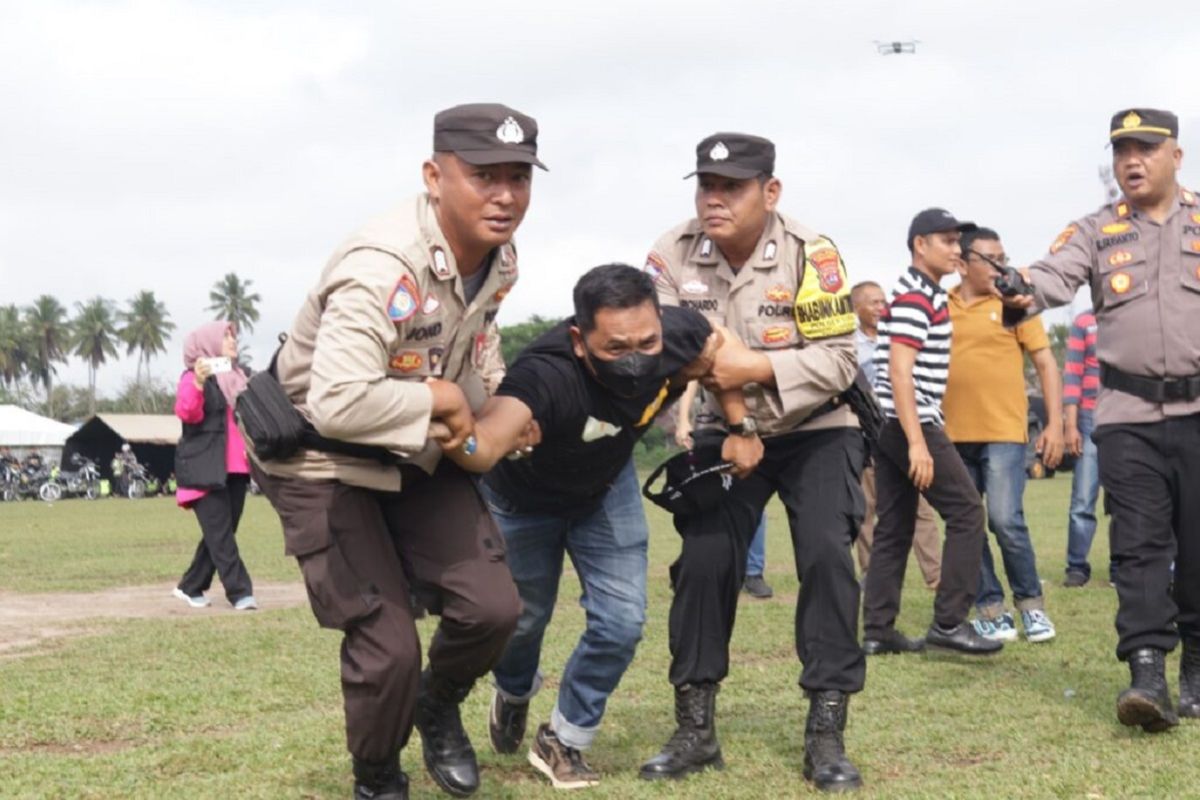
(986, 417)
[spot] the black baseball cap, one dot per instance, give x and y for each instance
(487, 133)
(734, 155)
(936, 220)
(1149, 125)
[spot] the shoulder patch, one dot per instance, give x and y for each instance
(441, 267)
(404, 300)
(822, 307)
(654, 265)
(1063, 238)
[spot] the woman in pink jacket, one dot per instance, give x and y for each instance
(210, 464)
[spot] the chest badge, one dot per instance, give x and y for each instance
(408, 361)
(776, 334)
(431, 304)
(1120, 282)
(1120, 257)
(694, 287)
(403, 302)
(778, 294)
(1116, 227)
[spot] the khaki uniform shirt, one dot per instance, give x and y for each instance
(1145, 283)
(388, 313)
(761, 303)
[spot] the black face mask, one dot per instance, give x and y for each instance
(631, 375)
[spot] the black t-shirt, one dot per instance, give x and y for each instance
(588, 433)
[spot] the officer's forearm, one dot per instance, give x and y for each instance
(733, 404)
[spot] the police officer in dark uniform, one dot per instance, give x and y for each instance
(782, 288)
(1140, 255)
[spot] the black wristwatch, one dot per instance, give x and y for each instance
(747, 427)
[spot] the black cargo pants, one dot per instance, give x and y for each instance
(817, 477)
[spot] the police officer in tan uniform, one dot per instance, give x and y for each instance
(398, 333)
(1140, 256)
(782, 288)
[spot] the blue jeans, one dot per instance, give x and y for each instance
(607, 545)
(1085, 488)
(998, 470)
(756, 559)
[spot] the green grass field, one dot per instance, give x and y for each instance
(248, 705)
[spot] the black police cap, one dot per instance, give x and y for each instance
(936, 220)
(1150, 125)
(734, 155)
(487, 133)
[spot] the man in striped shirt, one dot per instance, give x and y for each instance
(1081, 384)
(914, 456)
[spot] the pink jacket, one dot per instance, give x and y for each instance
(189, 407)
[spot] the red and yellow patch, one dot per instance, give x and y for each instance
(1120, 282)
(826, 262)
(778, 293)
(1196, 217)
(501, 293)
(776, 334)
(1063, 238)
(407, 361)
(1116, 227)
(1120, 257)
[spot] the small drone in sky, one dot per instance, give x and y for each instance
(896, 48)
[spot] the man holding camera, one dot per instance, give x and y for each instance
(986, 411)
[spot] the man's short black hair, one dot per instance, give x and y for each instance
(971, 237)
(611, 286)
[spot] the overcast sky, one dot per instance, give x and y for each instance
(159, 145)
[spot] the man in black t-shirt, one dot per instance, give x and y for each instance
(592, 386)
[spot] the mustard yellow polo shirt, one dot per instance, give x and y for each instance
(985, 393)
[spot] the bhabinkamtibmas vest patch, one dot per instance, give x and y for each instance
(822, 307)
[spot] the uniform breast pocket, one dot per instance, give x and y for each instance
(1123, 276)
(778, 334)
(415, 362)
(1190, 264)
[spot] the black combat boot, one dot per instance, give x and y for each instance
(449, 757)
(1189, 679)
(694, 744)
(1147, 702)
(825, 762)
(380, 781)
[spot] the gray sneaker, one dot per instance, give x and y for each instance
(564, 766)
(755, 586)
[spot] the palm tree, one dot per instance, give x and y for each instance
(145, 327)
(14, 345)
(50, 335)
(94, 339)
(231, 300)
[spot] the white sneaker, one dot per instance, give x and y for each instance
(247, 603)
(198, 601)
(1038, 627)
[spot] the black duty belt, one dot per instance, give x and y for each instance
(1156, 390)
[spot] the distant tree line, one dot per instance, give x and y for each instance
(36, 338)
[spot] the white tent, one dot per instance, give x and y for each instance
(24, 429)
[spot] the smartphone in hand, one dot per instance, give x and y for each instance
(220, 365)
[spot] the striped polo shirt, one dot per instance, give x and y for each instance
(1081, 374)
(918, 317)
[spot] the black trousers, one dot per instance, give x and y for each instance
(219, 512)
(817, 477)
(954, 496)
(1151, 478)
(363, 554)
